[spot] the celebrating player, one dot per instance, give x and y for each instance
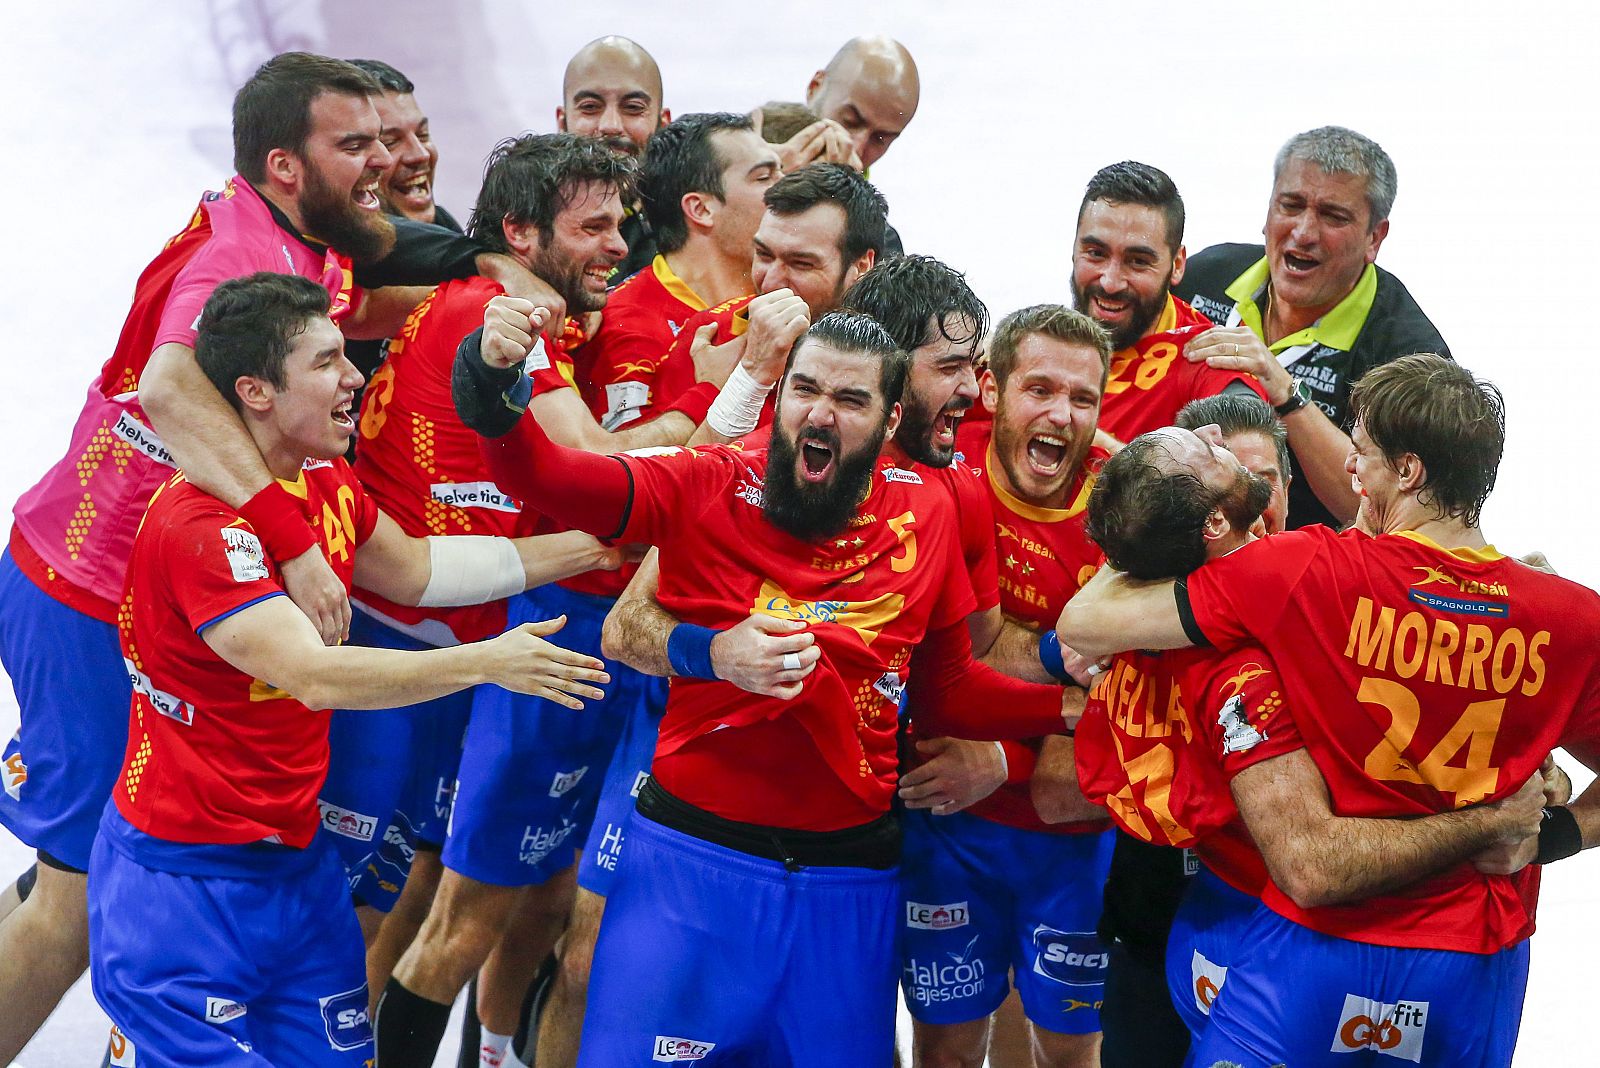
(215, 819)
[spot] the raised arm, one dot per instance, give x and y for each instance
(1114, 613)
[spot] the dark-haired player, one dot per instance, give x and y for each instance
(220, 928)
(1427, 672)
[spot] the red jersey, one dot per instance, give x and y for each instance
(1424, 679)
(213, 755)
(1043, 557)
(421, 464)
(628, 356)
(1150, 381)
(827, 758)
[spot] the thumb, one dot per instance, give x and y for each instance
(541, 627)
(703, 337)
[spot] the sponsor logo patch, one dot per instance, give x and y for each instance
(1393, 1030)
(937, 917)
(16, 773)
(163, 702)
(540, 842)
(900, 474)
(1237, 733)
(1205, 980)
(750, 494)
(345, 1016)
(142, 438)
(474, 495)
(1075, 958)
(343, 821)
(673, 1050)
(1480, 598)
(120, 1049)
(625, 399)
(566, 780)
(538, 359)
(891, 686)
(944, 979)
(221, 1010)
(246, 558)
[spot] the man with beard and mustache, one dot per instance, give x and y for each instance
(553, 202)
(612, 90)
(1311, 311)
(1126, 257)
(307, 149)
(762, 859)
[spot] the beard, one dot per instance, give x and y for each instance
(332, 217)
(1247, 498)
(566, 278)
(915, 435)
(813, 510)
(1142, 315)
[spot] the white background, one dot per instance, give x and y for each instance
(116, 118)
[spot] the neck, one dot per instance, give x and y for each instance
(1444, 531)
(283, 459)
(283, 202)
(1283, 319)
(714, 276)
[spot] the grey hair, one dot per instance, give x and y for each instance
(1341, 151)
(1238, 413)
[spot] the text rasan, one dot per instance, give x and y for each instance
(1472, 656)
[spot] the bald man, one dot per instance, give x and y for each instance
(612, 90)
(870, 88)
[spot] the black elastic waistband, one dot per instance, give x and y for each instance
(872, 845)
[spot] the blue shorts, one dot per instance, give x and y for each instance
(73, 692)
(984, 901)
(1297, 997)
(1202, 944)
(710, 955)
(630, 767)
(530, 769)
(208, 970)
(390, 777)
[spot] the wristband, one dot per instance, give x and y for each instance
(737, 408)
(689, 651)
(1050, 656)
(1559, 835)
(695, 401)
(277, 520)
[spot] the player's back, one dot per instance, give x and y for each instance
(1423, 680)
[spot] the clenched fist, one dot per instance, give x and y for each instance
(511, 329)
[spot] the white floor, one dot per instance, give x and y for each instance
(1489, 113)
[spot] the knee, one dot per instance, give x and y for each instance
(1053, 1050)
(948, 1047)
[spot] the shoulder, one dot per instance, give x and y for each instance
(1214, 269)
(1397, 326)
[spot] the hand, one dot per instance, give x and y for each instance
(777, 320)
(316, 590)
(511, 326)
(824, 141)
(1236, 348)
(1104, 440)
(518, 281)
(1520, 814)
(1083, 672)
(1557, 786)
(713, 363)
(1073, 699)
(521, 660)
(1054, 785)
(1539, 562)
(957, 774)
(750, 655)
(1508, 858)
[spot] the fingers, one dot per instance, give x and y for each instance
(776, 624)
(539, 628)
(703, 337)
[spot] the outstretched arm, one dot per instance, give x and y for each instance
(1114, 613)
(952, 694)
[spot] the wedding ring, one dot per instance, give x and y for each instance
(791, 661)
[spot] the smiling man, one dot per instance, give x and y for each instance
(1310, 312)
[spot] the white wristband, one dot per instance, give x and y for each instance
(737, 409)
(472, 569)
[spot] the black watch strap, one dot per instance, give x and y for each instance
(1295, 401)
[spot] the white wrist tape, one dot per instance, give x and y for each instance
(472, 569)
(737, 409)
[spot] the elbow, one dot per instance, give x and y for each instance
(1076, 630)
(1307, 887)
(612, 634)
(158, 391)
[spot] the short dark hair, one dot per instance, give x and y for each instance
(386, 76)
(1053, 321)
(1138, 183)
(1451, 420)
(273, 109)
(1239, 413)
(529, 179)
(852, 331)
(865, 210)
(249, 324)
(911, 296)
(681, 158)
(782, 119)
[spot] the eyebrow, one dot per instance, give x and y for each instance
(595, 94)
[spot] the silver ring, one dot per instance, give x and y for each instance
(791, 661)
(1235, 348)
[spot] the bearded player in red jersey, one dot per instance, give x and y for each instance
(1411, 656)
(220, 928)
(825, 532)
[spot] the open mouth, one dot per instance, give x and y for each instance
(816, 461)
(1298, 263)
(366, 194)
(946, 425)
(343, 417)
(597, 275)
(1046, 454)
(1104, 308)
(415, 193)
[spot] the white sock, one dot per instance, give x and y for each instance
(492, 1048)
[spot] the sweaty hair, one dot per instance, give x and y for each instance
(1340, 151)
(1138, 183)
(249, 324)
(1051, 320)
(1451, 420)
(782, 119)
(852, 331)
(681, 158)
(1239, 413)
(529, 179)
(386, 76)
(911, 296)
(273, 109)
(865, 210)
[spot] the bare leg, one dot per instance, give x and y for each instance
(44, 947)
(949, 1045)
(1010, 1044)
(562, 1024)
(403, 922)
(528, 939)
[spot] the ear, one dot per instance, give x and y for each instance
(893, 423)
(1376, 239)
(815, 86)
(860, 267)
(256, 394)
(1411, 473)
(699, 209)
(666, 117)
(561, 120)
(521, 237)
(1180, 262)
(989, 390)
(284, 168)
(1216, 526)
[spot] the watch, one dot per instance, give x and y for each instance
(1298, 398)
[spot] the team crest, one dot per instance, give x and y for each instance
(1237, 733)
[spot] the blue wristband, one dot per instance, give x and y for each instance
(519, 396)
(689, 651)
(1050, 657)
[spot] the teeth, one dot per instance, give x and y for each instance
(1050, 439)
